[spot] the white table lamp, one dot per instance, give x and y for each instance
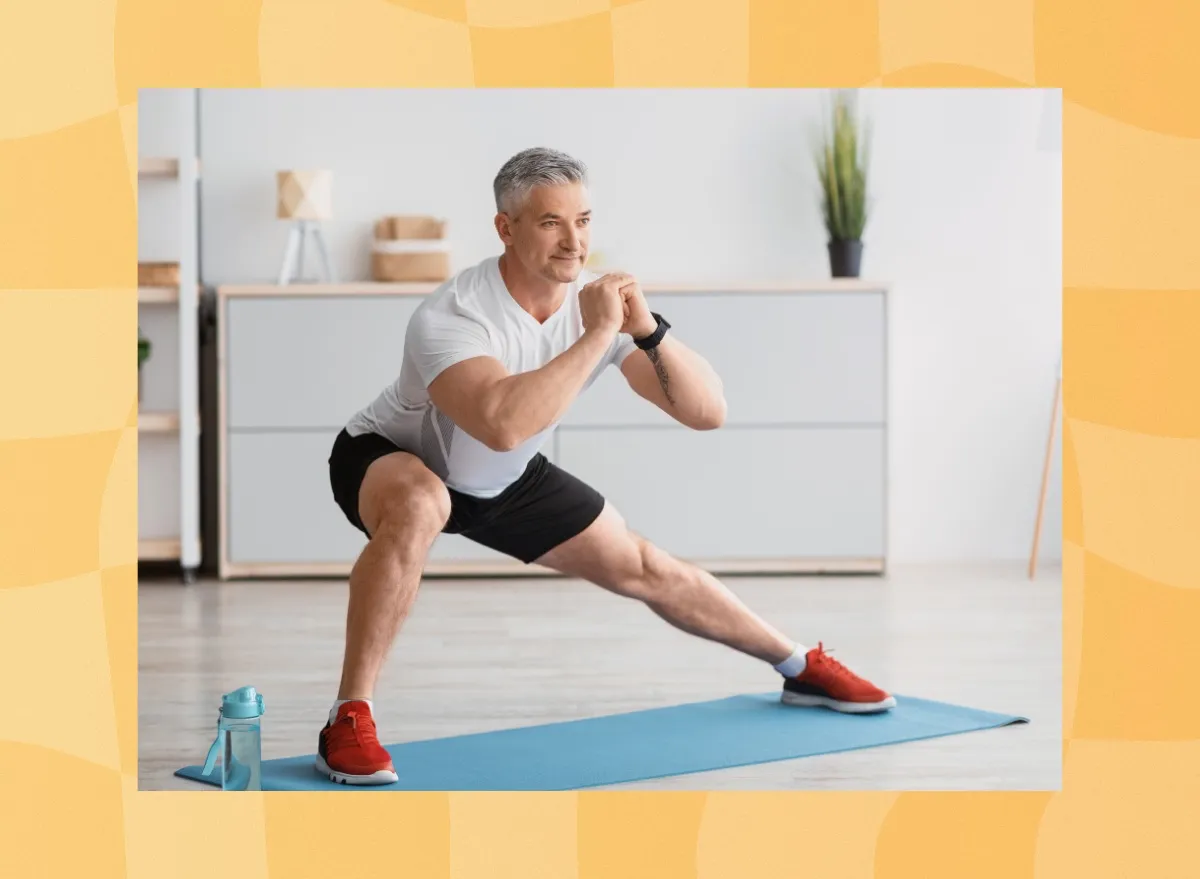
(305, 198)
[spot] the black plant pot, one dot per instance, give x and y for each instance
(845, 257)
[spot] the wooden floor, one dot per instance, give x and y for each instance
(490, 654)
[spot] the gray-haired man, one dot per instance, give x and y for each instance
(492, 360)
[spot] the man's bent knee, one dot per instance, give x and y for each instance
(421, 508)
(415, 507)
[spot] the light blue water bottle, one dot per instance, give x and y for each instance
(239, 741)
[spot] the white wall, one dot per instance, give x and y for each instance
(718, 186)
(686, 185)
(969, 227)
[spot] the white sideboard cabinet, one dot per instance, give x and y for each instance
(794, 482)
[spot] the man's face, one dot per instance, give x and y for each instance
(550, 232)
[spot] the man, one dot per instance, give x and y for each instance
(492, 360)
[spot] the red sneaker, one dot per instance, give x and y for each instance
(348, 751)
(826, 682)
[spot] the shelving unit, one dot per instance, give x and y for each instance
(169, 440)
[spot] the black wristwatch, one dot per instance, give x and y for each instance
(652, 340)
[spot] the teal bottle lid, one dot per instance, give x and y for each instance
(241, 703)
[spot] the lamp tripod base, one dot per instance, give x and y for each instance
(293, 258)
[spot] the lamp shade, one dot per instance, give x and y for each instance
(304, 195)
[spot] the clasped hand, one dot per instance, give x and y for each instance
(615, 303)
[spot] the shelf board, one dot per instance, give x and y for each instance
(164, 295)
(158, 422)
(158, 167)
(162, 550)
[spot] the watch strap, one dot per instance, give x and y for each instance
(652, 340)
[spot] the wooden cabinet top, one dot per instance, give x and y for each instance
(366, 288)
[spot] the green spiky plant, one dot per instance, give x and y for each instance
(842, 164)
(144, 348)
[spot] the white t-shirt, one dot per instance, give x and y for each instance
(472, 314)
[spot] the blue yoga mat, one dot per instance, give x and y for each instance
(638, 745)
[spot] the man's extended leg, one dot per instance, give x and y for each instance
(609, 554)
(404, 507)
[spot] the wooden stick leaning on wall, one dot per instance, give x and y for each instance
(1037, 528)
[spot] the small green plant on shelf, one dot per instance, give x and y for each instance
(144, 349)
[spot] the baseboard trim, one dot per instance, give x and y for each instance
(445, 570)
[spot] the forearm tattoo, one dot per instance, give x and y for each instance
(660, 370)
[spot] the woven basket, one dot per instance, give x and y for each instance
(158, 274)
(410, 248)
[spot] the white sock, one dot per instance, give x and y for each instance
(794, 664)
(340, 702)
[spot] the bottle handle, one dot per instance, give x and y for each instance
(211, 760)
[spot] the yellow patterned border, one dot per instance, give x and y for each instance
(69, 74)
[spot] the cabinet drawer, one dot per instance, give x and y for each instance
(281, 508)
(740, 493)
(783, 358)
(311, 361)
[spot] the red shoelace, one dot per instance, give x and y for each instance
(827, 663)
(359, 730)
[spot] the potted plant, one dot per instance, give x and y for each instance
(144, 348)
(842, 169)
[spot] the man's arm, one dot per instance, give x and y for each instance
(502, 410)
(679, 381)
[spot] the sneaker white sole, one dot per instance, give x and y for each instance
(383, 776)
(806, 701)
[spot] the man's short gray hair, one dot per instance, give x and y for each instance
(538, 166)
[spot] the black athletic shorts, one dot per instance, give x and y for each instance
(543, 508)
